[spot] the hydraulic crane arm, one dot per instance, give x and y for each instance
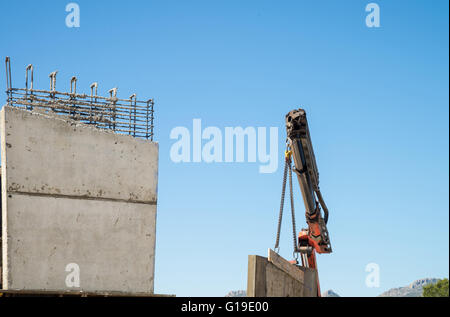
(299, 141)
(300, 151)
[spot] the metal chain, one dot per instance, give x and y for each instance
(280, 217)
(287, 166)
(294, 231)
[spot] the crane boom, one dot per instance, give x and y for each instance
(300, 151)
(299, 142)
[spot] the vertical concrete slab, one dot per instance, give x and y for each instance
(76, 199)
(256, 278)
(272, 279)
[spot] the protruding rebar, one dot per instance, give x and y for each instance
(133, 105)
(93, 100)
(151, 119)
(53, 80)
(126, 116)
(113, 92)
(8, 78)
(29, 68)
(146, 114)
(73, 85)
(94, 85)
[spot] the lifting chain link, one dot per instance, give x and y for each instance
(287, 167)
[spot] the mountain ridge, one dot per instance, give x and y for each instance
(414, 289)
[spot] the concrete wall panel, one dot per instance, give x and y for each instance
(46, 154)
(265, 279)
(112, 243)
(72, 193)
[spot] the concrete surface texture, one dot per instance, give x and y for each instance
(78, 206)
(275, 277)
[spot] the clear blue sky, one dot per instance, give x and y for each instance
(377, 101)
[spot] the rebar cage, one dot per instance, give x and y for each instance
(125, 116)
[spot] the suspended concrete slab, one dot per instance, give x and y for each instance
(276, 277)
